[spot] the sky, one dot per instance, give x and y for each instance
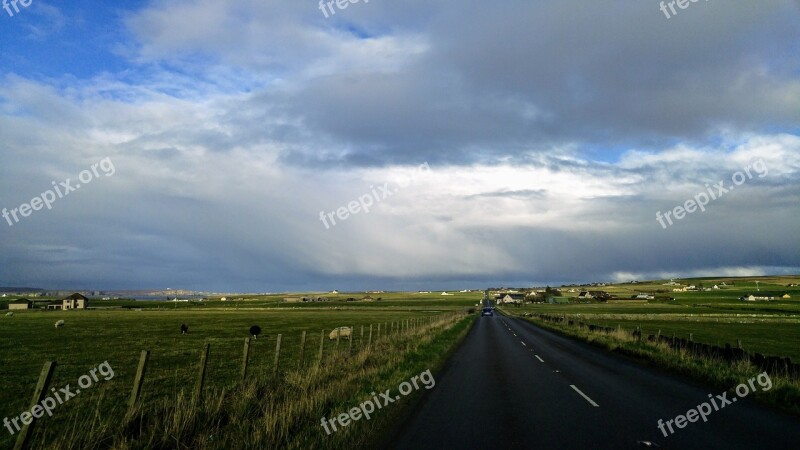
(267, 146)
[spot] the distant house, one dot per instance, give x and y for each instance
(598, 295)
(367, 298)
(512, 298)
(786, 296)
(334, 292)
(445, 293)
(22, 303)
(680, 289)
(755, 298)
(645, 297)
(75, 301)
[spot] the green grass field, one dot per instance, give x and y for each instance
(29, 338)
(713, 317)
(117, 330)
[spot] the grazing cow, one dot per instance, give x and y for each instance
(255, 330)
(59, 324)
(184, 328)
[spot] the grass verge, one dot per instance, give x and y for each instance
(711, 372)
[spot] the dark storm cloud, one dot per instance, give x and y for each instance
(554, 131)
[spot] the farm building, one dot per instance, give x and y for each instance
(75, 301)
(512, 298)
(367, 298)
(786, 296)
(22, 303)
(599, 295)
(755, 298)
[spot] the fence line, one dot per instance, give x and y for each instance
(406, 332)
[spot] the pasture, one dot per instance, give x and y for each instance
(117, 336)
(713, 317)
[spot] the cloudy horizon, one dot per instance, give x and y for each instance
(554, 134)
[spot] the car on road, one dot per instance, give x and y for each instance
(487, 312)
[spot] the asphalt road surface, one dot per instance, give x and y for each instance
(512, 384)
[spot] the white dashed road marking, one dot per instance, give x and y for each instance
(586, 397)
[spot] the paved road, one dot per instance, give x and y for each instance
(514, 385)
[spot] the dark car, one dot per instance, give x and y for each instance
(487, 312)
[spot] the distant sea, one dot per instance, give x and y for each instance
(158, 297)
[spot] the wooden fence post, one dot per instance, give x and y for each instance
(137, 382)
(379, 332)
(350, 342)
(201, 377)
(369, 342)
(277, 354)
(245, 357)
(302, 348)
(321, 343)
(361, 339)
(24, 437)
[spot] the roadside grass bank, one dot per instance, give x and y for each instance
(715, 373)
(281, 410)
